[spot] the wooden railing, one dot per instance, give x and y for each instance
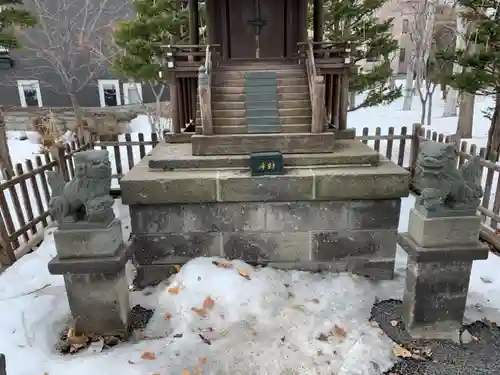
(188, 57)
(205, 93)
(316, 91)
(331, 55)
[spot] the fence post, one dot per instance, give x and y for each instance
(5, 160)
(60, 155)
(415, 145)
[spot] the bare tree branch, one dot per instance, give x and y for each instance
(70, 47)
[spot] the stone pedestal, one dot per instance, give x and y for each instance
(92, 262)
(337, 210)
(440, 255)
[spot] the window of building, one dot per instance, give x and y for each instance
(29, 93)
(406, 26)
(109, 92)
(402, 55)
(132, 93)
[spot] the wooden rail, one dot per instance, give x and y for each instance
(205, 93)
(316, 92)
(187, 57)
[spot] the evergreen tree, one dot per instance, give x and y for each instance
(480, 61)
(158, 22)
(13, 16)
(356, 21)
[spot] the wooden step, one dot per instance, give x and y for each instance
(231, 97)
(261, 120)
(240, 105)
(283, 112)
(222, 76)
(243, 129)
(287, 143)
(259, 89)
(291, 81)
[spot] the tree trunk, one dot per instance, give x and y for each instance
(493, 146)
(465, 116)
(79, 123)
(451, 104)
(429, 108)
(423, 112)
(444, 91)
(5, 160)
(408, 90)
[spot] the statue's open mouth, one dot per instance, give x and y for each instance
(432, 163)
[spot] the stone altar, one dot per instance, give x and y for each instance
(336, 207)
(90, 251)
(442, 242)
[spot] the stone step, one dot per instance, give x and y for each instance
(283, 96)
(243, 129)
(282, 112)
(240, 105)
(179, 156)
(259, 89)
(287, 143)
(261, 120)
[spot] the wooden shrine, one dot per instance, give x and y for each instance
(208, 82)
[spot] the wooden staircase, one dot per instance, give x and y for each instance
(259, 97)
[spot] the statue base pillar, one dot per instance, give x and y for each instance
(92, 262)
(440, 255)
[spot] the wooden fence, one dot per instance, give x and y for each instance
(24, 197)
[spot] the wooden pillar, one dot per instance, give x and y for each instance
(318, 20)
(5, 160)
(303, 15)
(344, 104)
(210, 11)
(174, 105)
(194, 22)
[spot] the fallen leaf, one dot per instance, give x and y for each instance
(224, 265)
(75, 339)
(315, 300)
(156, 373)
(200, 312)
(399, 351)
(208, 303)
(184, 372)
(177, 268)
(339, 331)
(130, 362)
(167, 316)
(243, 273)
(394, 323)
(148, 356)
(322, 337)
(202, 360)
(174, 290)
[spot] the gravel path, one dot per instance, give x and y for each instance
(479, 357)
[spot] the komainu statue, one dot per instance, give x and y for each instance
(85, 199)
(442, 186)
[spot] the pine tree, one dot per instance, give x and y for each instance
(13, 16)
(356, 22)
(480, 61)
(158, 22)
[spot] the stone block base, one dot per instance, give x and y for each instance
(99, 303)
(88, 243)
(437, 282)
(354, 236)
(98, 291)
(443, 231)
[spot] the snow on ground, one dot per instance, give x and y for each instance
(256, 326)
